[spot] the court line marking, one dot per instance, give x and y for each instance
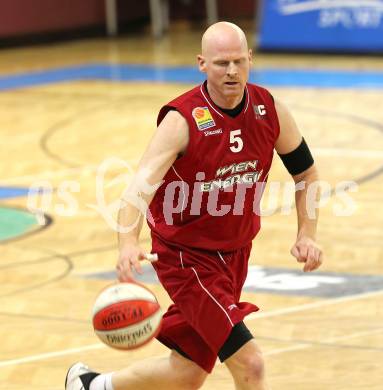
(345, 152)
(342, 152)
(47, 174)
(40, 176)
(293, 309)
(48, 355)
(313, 305)
(329, 340)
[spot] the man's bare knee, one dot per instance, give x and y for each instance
(193, 378)
(247, 364)
(189, 375)
(254, 367)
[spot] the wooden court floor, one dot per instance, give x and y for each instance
(61, 133)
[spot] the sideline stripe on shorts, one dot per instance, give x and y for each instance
(211, 296)
(221, 257)
(182, 263)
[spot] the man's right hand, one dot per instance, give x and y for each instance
(129, 260)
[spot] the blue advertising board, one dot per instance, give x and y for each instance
(322, 25)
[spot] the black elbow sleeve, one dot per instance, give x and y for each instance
(298, 160)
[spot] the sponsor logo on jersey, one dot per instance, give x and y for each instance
(259, 111)
(212, 132)
(246, 172)
(203, 118)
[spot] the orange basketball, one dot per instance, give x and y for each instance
(126, 315)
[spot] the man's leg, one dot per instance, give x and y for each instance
(162, 373)
(247, 367)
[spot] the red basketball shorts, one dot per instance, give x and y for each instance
(205, 287)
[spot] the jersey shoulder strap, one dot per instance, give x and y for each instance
(180, 103)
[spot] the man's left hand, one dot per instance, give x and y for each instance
(305, 250)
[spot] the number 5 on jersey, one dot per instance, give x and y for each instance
(236, 141)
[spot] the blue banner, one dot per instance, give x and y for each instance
(322, 25)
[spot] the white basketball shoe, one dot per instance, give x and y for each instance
(79, 377)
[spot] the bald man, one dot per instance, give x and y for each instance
(212, 152)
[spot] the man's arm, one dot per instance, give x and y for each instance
(305, 249)
(170, 139)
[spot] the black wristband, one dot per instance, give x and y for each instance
(298, 160)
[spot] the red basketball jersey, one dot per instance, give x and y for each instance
(210, 196)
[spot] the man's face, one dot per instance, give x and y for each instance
(227, 67)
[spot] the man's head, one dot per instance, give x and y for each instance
(225, 59)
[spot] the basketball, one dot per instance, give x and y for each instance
(126, 315)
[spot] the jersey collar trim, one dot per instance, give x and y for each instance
(203, 94)
(247, 98)
(208, 102)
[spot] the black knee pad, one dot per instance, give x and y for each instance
(238, 337)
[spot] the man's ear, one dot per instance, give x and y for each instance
(250, 56)
(201, 63)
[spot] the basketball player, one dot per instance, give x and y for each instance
(212, 148)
